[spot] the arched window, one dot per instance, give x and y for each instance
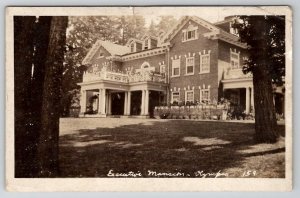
(145, 65)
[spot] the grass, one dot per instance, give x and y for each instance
(90, 147)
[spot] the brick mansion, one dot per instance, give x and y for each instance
(196, 61)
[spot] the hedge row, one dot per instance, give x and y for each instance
(195, 112)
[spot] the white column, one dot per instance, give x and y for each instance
(146, 102)
(100, 101)
(103, 101)
(106, 101)
(247, 100)
(83, 101)
(143, 103)
(128, 102)
(109, 104)
(252, 97)
(125, 102)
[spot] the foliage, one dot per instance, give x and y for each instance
(166, 23)
(265, 37)
(272, 30)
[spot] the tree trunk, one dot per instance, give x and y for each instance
(48, 140)
(265, 117)
(41, 40)
(23, 59)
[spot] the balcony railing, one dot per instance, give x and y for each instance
(144, 76)
(236, 74)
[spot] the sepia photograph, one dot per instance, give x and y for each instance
(118, 98)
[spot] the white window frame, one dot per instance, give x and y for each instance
(201, 95)
(162, 69)
(172, 96)
(186, 66)
(186, 32)
(186, 93)
(175, 67)
(234, 59)
(132, 47)
(148, 44)
(201, 63)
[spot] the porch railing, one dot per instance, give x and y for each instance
(145, 76)
(236, 74)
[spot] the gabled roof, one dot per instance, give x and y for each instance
(148, 35)
(133, 39)
(113, 49)
(215, 32)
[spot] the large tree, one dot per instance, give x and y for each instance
(23, 57)
(39, 44)
(265, 37)
(166, 23)
(48, 140)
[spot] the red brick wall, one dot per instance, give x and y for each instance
(152, 60)
(224, 51)
(180, 48)
(100, 61)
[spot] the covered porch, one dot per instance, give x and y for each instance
(240, 93)
(111, 99)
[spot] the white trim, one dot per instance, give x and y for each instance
(144, 54)
(186, 66)
(200, 67)
(172, 100)
(185, 32)
(235, 59)
(203, 90)
(160, 69)
(172, 69)
(148, 42)
(145, 64)
(186, 92)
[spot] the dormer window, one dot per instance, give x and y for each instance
(132, 47)
(190, 33)
(146, 44)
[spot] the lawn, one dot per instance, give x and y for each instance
(91, 147)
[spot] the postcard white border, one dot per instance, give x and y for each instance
(143, 184)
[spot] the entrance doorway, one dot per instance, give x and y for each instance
(135, 108)
(117, 103)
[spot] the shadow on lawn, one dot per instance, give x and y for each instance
(168, 146)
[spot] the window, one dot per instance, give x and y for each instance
(162, 69)
(145, 65)
(101, 54)
(204, 63)
(175, 96)
(190, 33)
(190, 62)
(204, 95)
(234, 60)
(176, 67)
(189, 96)
(146, 44)
(132, 47)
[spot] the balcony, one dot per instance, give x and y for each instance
(236, 74)
(143, 76)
